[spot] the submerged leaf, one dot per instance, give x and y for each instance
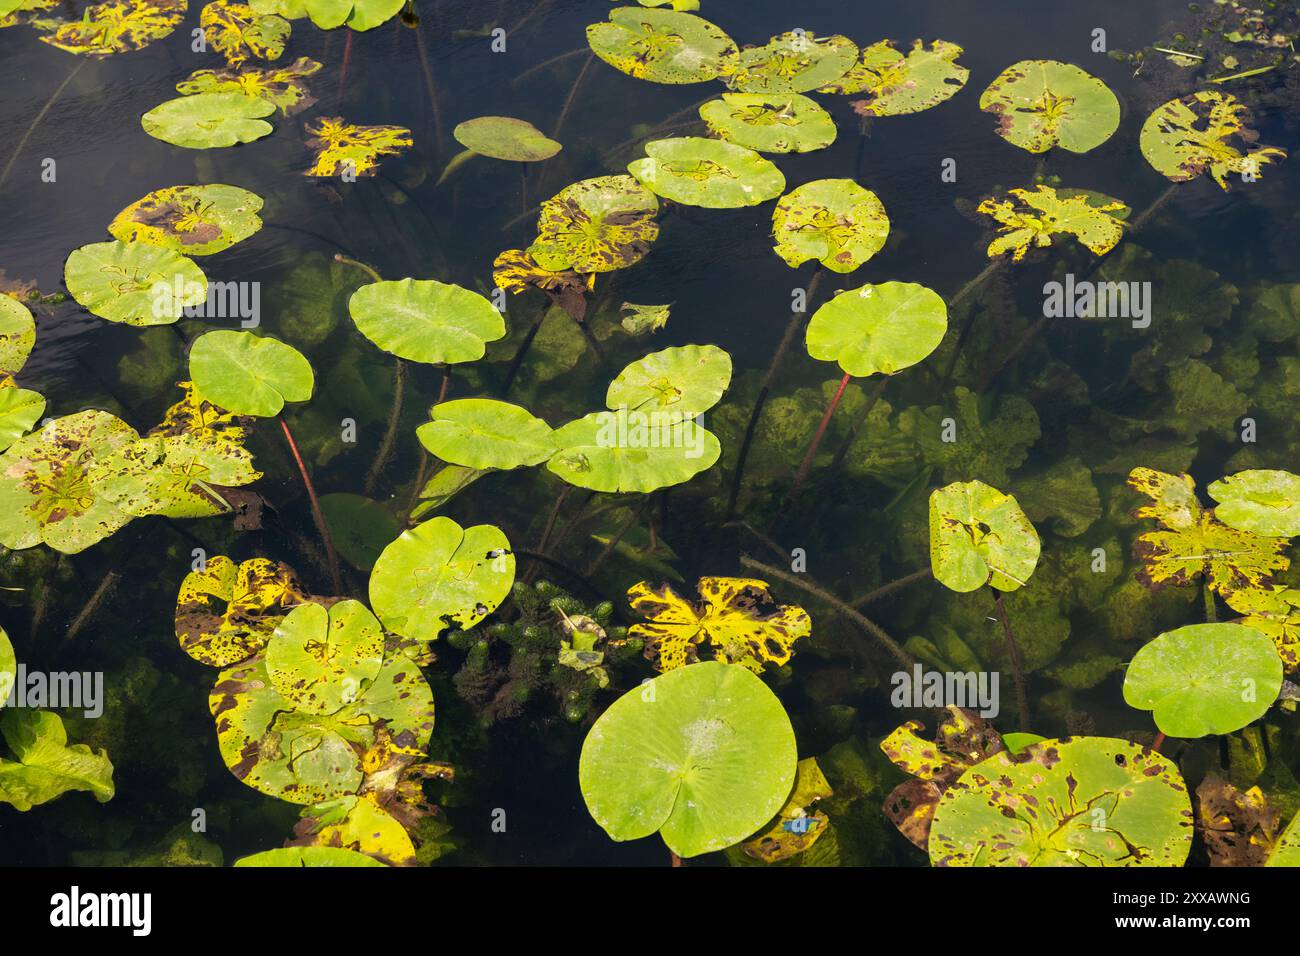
(798, 825)
(896, 84)
(345, 150)
(249, 374)
(117, 26)
(707, 172)
(134, 283)
(425, 320)
(237, 33)
(835, 221)
(662, 46)
(1031, 218)
(878, 329)
(194, 220)
(793, 62)
(770, 122)
(596, 225)
(205, 120)
(1200, 133)
(1043, 103)
(1240, 828)
(978, 536)
(503, 137)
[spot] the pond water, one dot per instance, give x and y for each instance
(1058, 416)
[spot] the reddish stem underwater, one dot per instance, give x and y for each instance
(319, 516)
(806, 465)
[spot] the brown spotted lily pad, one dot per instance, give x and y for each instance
(192, 220)
(596, 225)
(226, 613)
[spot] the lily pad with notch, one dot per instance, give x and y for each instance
(662, 46)
(227, 612)
(425, 320)
(134, 283)
(898, 83)
(707, 172)
(324, 658)
(835, 221)
(1261, 501)
(878, 328)
(684, 379)
(978, 536)
(207, 120)
(625, 451)
(193, 220)
(1045, 103)
(596, 225)
(484, 433)
(249, 374)
(793, 62)
(770, 122)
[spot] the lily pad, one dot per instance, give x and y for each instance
(439, 575)
(1032, 217)
(704, 755)
(978, 536)
(685, 379)
(503, 137)
(880, 328)
(662, 46)
(283, 86)
(898, 83)
(134, 283)
(118, 26)
(226, 613)
(596, 225)
(632, 450)
(207, 120)
(799, 824)
(707, 172)
(484, 433)
(1205, 679)
(1084, 801)
(343, 149)
(1263, 502)
(297, 856)
(425, 320)
(181, 476)
(770, 122)
(45, 767)
(834, 221)
(237, 33)
(8, 667)
(249, 374)
(17, 335)
(20, 409)
(1275, 612)
(1204, 132)
(359, 15)
(1043, 103)
(793, 62)
(322, 659)
(193, 220)
(356, 823)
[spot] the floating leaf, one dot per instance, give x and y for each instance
(835, 221)
(426, 321)
(1239, 828)
(980, 536)
(356, 824)
(322, 659)
(737, 616)
(704, 755)
(596, 225)
(1173, 497)
(643, 319)
(360, 527)
(134, 283)
(180, 476)
(439, 575)
(793, 62)
(194, 220)
(896, 84)
(445, 484)
(20, 409)
(798, 825)
(15, 12)
(17, 335)
(686, 379)
(516, 270)
(881, 328)
(45, 767)
(1287, 851)
(770, 122)
(1274, 611)
(237, 33)
(1031, 218)
(296, 856)
(282, 86)
(349, 151)
(226, 613)
(707, 172)
(1206, 131)
(484, 433)
(357, 15)
(1259, 501)
(502, 137)
(118, 26)
(626, 450)
(208, 120)
(8, 667)
(249, 374)
(1204, 679)
(1085, 801)
(661, 46)
(1043, 103)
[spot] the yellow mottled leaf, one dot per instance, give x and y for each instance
(225, 612)
(118, 26)
(1173, 497)
(346, 150)
(516, 270)
(1031, 218)
(1276, 612)
(799, 825)
(237, 33)
(1230, 560)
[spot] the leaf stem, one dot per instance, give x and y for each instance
(1013, 653)
(806, 465)
(336, 577)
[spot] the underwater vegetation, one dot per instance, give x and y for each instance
(476, 530)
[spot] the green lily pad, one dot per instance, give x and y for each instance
(8, 667)
(1286, 852)
(207, 120)
(20, 409)
(484, 433)
(1084, 801)
(1204, 132)
(632, 451)
(793, 62)
(770, 122)
(193, 220)
(134, 283)
(978, 536)
(1205, 679)
(324, 659)
(426, 321)
(439, 575)
(662, 46)
(359, 15)
(502, 137)
(897, 84)
(704, 755)
(249, 374)
(685, 380)
(17, 335)
(1262, 502)
(878, 328)
(296, 856)
(1043, 103)
(707, 172)
(834, 221)
(45, 766)
(360, 527)
(596, 225)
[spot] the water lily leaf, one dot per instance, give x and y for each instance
(439, 575)
(55, 483)
(1274, 611)
(484, 433)
(194, 220)
(881, 328)
(180, 476)
(770, 122)
(445, 484)
(1204, 679)
(516, 270)
(283, 86)
(978, 536)
(704, 755)
(707, 172)
(596, 225)
(322, 659)
(1204, 132)
(1240, 828)
(20, 409)
(249, 374)
(357, 15)
(226, 613)
(737, 616)
(425, 320)
(200, 419)
(793, 62)
(798, 825)
(898, 83)
(134, 283)
(643, 319)
(1084, 801)
(1043, 103)
(343, 149)
(503, 137)
(626, 450)
(360, 527)
(834, 221)
(685, 379)
(8, 667)
(1032, 217)
(45, 767)
(17, 335)
(237, 33)
(15, 12)
(356, 824)
(207, 120)
(1263, 502)
(1287, 851)
(296, 856)
(682, 5)
(118, 26)
(1173, 497)
(662, 46)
